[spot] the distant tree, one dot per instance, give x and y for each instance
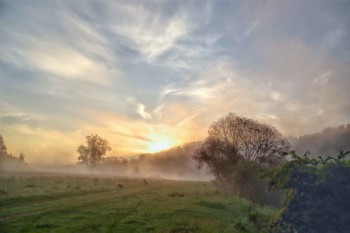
(3, 148)
(236, 148)
(21, 157)
(93, 153)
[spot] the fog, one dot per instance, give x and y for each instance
(329, 142)
(175, 164)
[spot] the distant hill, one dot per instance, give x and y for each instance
(174, 163)
(329, 141)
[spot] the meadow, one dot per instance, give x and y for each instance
(44, 202)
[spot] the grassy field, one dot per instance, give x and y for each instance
(67, 203)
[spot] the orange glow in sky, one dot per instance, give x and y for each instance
(160, 142)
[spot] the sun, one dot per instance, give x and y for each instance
(159, 143)
(159, 146)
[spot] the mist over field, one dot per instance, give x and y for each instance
(175, 163)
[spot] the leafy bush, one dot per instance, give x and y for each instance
(319, 192)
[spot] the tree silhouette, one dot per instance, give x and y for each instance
(3, 148)
(236, 147)
(21, 157)
(93, 153)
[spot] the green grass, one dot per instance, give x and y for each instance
(60, 203)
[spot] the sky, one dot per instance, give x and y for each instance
(147, 75)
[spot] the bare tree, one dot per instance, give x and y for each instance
(237, 146)
(93, 153)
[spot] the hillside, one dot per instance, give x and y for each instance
(174, 163)
(329, 141)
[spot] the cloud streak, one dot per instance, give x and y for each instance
(137, 72)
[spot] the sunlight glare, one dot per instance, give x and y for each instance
(159, 143)
(159, 146)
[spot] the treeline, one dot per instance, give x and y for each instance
(174, 163)
(329, 141)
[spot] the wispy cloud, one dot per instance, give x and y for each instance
(251, 28)
(141, 109)
(147, 32)
(333, 38)
(293, 101)
(137, 71)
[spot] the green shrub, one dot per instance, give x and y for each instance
(319, 192)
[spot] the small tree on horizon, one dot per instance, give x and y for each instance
(93, 153)
(3, 148)
(3, 151)
(21, 157)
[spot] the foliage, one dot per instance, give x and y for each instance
(319, 191)
(235, 151)
(3, 148)
(21, 157)
(93, 153)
